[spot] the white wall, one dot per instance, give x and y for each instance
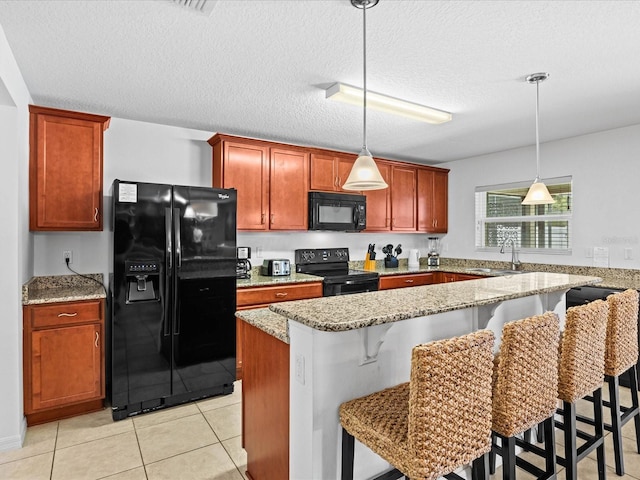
(605, 168)
(17, 265)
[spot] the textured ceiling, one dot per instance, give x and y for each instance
(258, 68)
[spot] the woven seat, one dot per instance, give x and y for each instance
(621, 356)
(435, 423)
(525, 389)
(581, 372)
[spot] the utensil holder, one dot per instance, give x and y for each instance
(391, 262)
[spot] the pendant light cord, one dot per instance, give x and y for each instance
(364, 74)
(537, 130)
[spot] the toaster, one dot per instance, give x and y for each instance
(275, 267)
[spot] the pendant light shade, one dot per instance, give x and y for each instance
(538, 193)
(364, 174)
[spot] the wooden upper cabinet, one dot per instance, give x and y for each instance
(433, 200)
(379, 203)
(403, 199)
(288, 189)
(329, 171)
(65, 169)
(245, 167)
(272, 182)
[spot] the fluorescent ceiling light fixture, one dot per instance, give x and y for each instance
(377, 101)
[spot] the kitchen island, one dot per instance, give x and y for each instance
(304, 358)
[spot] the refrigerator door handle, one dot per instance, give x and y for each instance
(176, 229)
(166, 324)
(167, 230)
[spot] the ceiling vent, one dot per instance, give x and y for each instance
(204, 7)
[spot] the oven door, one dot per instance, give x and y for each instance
(346, 287)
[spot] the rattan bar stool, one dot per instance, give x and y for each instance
(525, 387)
(580, 373)
(621, 356)
(437, 422)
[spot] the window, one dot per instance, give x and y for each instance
(501, 217)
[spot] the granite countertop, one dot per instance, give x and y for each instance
(62, 288)
(361, 310)
(258, 280)
(267, 321)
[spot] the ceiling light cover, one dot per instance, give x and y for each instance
(364, 174)
(384, 103)
(538, 193)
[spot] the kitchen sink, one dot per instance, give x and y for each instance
(494, 271)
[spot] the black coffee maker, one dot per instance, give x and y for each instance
(243, 265)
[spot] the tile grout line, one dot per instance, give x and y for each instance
(135, 431)
(55, 448)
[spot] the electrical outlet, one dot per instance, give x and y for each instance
(67, 254)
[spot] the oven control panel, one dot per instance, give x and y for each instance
(321, 255)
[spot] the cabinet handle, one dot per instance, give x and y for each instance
(95, 215)
(281, 295)
(436, 222)
(97, 338)
(272, 222)
(408, 281)
(262, 219)
(67, 314)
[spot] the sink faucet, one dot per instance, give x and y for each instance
(515, 263)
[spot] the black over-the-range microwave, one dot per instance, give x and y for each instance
(340, 212)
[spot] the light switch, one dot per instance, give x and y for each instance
(628, 254)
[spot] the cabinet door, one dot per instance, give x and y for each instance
(65, 173)
(344, 166)
(246, 168)
(66, 366)
(288, 190)
(379, 203)
(323, 173)
(440, 201)
(403, 199)
(432, 201)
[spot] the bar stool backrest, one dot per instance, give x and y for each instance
(581, 365)
(621, 348)
(525, 385)
(450, 403)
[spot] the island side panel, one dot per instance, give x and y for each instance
(265, 405)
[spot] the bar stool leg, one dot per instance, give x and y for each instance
(508, 457)
(633, 385)
(480, 468)
(616, 427)
(549, 445)
(348, 443)
(599, 431)
(570, 453)
(492, 454)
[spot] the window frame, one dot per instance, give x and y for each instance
(480, 217)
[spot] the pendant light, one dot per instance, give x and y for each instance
(538, 193)
(364, 174)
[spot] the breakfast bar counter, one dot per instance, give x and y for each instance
(304, 358)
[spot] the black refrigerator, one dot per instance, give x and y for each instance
(173, 296)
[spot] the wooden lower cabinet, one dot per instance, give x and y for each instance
(458, 277)
(63, 359)
(408, 280)
(259, 297)
(265, 405)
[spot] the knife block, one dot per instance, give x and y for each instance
(370, 265)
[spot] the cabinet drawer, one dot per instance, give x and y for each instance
(283, 293)
(56, 314)
(401, 281)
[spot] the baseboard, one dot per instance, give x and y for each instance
(15, 441)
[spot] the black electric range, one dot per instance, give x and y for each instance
(333, 265)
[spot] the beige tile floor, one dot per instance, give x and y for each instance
(196, 441)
